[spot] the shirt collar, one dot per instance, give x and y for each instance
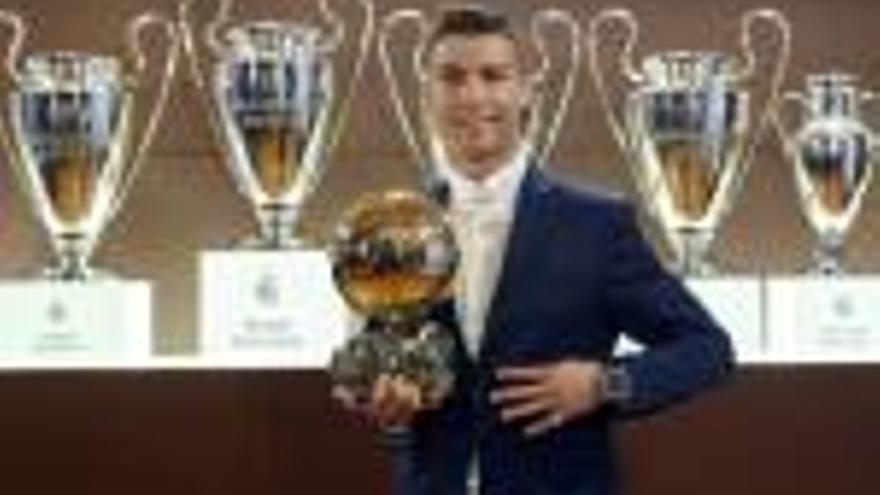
(497, 190)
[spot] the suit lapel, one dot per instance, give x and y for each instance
(531, 229)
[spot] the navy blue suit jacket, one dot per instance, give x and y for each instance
(577, 274)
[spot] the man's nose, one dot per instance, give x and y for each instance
(473, 90)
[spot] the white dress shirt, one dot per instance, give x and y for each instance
(481, 213)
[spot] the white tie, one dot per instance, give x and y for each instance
(479, 229)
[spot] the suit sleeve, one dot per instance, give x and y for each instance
(685, 349)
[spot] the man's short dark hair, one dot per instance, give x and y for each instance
(469, 20)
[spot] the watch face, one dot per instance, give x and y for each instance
(618, 384)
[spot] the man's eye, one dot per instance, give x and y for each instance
(452, 77)
(496, 75)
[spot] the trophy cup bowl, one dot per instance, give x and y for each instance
(688, 124)
(393, 258)
(271, 90)
(686, 129)
(71, 134)
(68, 122)
(833, 153)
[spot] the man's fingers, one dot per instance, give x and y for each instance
(522, 373)
(516, 393)
(397, 401)
(382, 397)
(403, 403)
(525, 409)
(544, 424)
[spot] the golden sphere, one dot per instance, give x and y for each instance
(393, 254)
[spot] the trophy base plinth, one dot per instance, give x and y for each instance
(736, 303)
(80, 275)
(94, 320)
(824, 318)
(270, 304)
(257, 243)
(424, 359)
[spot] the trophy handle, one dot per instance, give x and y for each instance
(198, 74)
(749, 19)
(338, 115)
(626, 18)
(139, 65)
(212, 30)
(13, 51)
(873, 127)
(389, 23)
(19, 32)
(539, 78)
(747, 23)
(331, 17)
(785, 131)
(787, 135)
(872, 97)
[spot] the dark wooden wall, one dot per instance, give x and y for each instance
(773, 431)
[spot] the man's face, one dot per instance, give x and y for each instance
(476, 96)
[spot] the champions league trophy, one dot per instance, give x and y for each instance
(77, 126)
(70, 133)
(833, 154)
(827, 315)
(688, 125)
(395, 255)
(686, 129)
(272, 96)
(277, 102)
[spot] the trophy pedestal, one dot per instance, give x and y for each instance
(736, 303)
(97, 320)
(824, 318)
(272, 305)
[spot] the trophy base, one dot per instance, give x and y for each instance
(423, 359)
(257, 243)
(96, 320)
(824, 318)
(84, 275)
(693, 257)
(736, 303)
(270, 304)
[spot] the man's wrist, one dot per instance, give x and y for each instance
(617, 384)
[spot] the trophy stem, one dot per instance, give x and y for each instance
(828, 255)
(693, 253)
(71, 263)
(276, 226)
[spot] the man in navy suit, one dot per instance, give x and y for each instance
(552, 276)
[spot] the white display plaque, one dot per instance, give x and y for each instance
(824, 318)
(277, 305)
(735, 301)
(97, 320)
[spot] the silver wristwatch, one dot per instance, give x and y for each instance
(618, 385)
